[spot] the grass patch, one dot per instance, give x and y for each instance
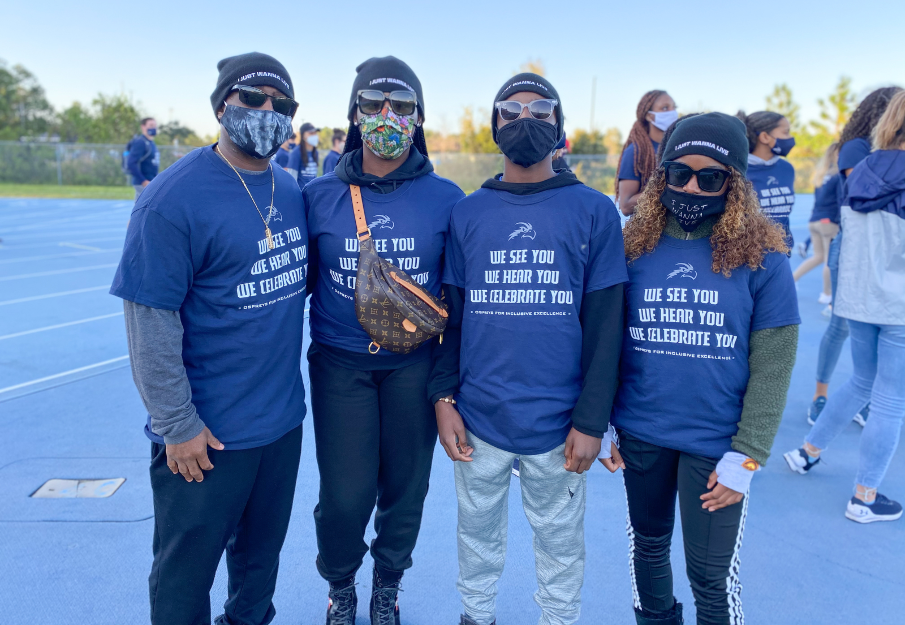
(66, 191)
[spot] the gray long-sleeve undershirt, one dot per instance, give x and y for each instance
(155, 352)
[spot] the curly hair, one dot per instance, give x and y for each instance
(645, 159)
(868, 113)
(742, 236)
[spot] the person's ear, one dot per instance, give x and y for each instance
(220, 111)
(766, 139)
(650, 117)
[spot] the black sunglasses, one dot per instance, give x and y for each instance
(255, 98)
(710, 179)
(539, 109)
(370, 101)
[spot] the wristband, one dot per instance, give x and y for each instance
(735, 470)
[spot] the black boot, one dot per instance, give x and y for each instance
(384, 608)
(464, 620)
(343, 603)
(673, 616)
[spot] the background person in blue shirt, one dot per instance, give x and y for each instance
(213, 282)
(773, 177)
(281, 158)
(872, 298)
(338, 143)
(854, 147)
(144, 157)
(711, 328)
(655, 112)
(373, 424)
(528, 366)
(303, 158)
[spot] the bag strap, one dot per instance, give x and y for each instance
(361, 223)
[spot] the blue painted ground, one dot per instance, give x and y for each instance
(86, 561)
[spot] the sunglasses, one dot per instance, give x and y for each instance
(710, 179)
(255, 98)
(539, 109)
(370, 101)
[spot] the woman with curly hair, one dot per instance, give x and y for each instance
(655, 112)
(711, 328)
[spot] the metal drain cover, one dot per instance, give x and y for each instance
(81, 489)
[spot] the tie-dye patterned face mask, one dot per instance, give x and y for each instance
(387, 136)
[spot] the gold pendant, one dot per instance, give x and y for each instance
(269, 237)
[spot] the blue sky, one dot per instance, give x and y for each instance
(708, 55)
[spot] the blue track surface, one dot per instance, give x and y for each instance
(86, 561)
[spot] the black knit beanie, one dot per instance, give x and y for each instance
(385, 74)
(717, 135)
(534, 83)
(253, 69)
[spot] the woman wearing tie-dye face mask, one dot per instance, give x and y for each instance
(374, 421)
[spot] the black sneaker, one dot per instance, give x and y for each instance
(464, 620)
(882, 509)
(815, 409)
(343, 603)
(863, 414)
(384, 606)
(799, 460)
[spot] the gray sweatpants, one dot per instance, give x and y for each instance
(554, 502)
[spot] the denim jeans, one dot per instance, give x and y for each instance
(837, 331)
(878, 355)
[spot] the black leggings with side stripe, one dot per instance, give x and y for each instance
(654, 476)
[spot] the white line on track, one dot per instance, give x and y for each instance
(53, 256)
(60, 375)
(41, 274)
(60, 325)
(79, 246)
(58, 294)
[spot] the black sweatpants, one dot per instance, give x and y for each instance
(653, 477)
(375, 433)
(243, 506)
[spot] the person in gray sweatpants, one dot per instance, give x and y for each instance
(527, 369)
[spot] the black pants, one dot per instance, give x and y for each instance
(653, 477)
(243, 506)
(375, 433)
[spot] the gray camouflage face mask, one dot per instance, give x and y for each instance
(257, 132)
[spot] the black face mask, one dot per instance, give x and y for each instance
(527, 141)
(257, 132)
(690, 209)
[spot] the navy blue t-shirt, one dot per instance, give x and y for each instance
(826, 199)
(627, 164)
(281, 158)
(330, 161)
(196, 245)
(409, 228)
(853, 152)
(525, 262)
(775, 188)
(306, 173)
(144, 159)
(684, 368)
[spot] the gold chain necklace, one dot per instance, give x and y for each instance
(269, 208)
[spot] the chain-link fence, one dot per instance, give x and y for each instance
(94, 164)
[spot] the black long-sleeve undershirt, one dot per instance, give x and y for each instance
(601, 344)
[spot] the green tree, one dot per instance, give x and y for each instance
(836, 109)
(24, 109)
(583, 142)
(612, 139)
(475, 137)
(781, 101)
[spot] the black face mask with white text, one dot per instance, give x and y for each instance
(691, 209)
(527, 141)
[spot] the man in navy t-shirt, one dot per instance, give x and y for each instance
(144, 157)
(534, 276)
(213, 276)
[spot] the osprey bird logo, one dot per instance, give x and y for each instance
(684, 270)
(772, 180)
(525, 230)
(381, 221)
(273, 215)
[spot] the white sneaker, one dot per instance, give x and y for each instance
(825, 298)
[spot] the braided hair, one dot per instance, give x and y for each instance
(645, 159)
(868, 113)
(756, 123)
